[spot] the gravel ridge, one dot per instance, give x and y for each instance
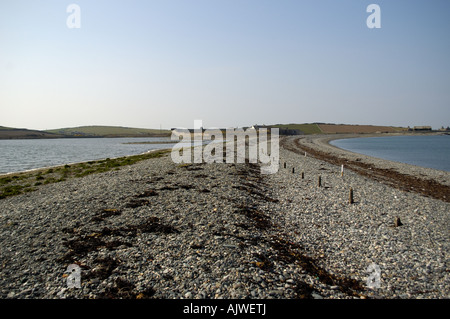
(157, 229)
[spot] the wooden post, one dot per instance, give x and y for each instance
(342, 170)
(284, 164)
(350, 196)
(303, 175)
(320, 181)
(293, 170)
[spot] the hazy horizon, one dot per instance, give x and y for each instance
(152, 64)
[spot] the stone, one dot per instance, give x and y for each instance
(397, 222)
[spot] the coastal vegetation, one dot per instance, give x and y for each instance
(20, 183)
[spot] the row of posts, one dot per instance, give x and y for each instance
(319, 182)
(397, 221)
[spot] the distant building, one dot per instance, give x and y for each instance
(257, 127)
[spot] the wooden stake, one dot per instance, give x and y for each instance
(303, 175)
(350, 196)
(284, 164)
(397, 222)
(293, 170)
(342, 170)
(320, 181)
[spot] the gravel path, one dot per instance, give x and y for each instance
(157, 229)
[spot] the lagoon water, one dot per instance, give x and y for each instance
(432, 151)
(26, 154)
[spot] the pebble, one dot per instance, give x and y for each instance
(241, 239)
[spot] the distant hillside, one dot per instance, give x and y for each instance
(323, 128)
(347, 128)
(119, 131)
(8, 133)
(109, 131)
(304, 128)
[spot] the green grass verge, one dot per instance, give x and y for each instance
(20, 183)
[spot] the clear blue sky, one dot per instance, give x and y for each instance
(226, 62)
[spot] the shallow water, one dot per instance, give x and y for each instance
(26, 154)
(431, 151)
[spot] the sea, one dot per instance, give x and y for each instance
(431, 151)
(19, 155)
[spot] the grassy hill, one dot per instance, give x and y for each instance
(7, 133)
(109, 131)
(347, 128)
(119, 131)
(323, 128)
(305, 128)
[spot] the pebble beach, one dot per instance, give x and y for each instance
(162, 230)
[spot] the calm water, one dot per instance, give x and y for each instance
(21, 155)
(427, 151)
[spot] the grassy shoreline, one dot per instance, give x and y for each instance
(28, 181)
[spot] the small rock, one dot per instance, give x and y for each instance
(230, 246)
(334, 287)
(316, 296)
(397, 222)
(237, 285)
